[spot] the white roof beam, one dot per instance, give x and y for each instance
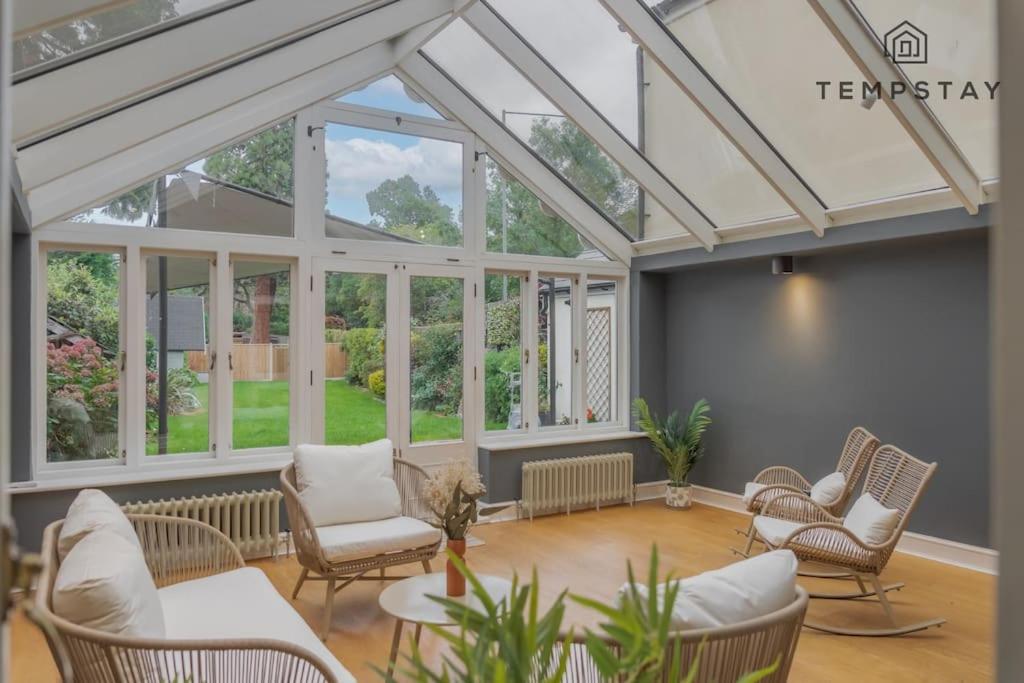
(80, 147)
(662, 46)
(564, 96)
(518, 158)
(122, 171)
(76, 92)
(864, 48)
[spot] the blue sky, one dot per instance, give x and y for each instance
(360, 159)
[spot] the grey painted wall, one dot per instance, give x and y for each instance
(33, 511)
(21, 367)
(647, 339)
(502, 472)
(893, 336)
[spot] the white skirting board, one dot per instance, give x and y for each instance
(930, 547)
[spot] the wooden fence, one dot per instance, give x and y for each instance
(269, 362)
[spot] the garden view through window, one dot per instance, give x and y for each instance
(83, 359)
(355, 346)
(503, 352)
(436, 357)
(392, 187)
(179, 362)
(260, 360)
(556, 353)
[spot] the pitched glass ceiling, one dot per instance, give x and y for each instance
(961, 51)
(61, 41)
(585, 44)
(769, 57)
(500, 88)
(392, 94)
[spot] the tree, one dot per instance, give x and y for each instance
(84, 296)
(402, 207)
(582, 163)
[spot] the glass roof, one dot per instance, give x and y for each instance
(584, 43)
(961, 50)
(499, 87)
(56, 43)
(392, 94)
(769, 57)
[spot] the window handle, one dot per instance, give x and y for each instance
(576, 352)
(213, 361)
(124, 360)
(231, 362)
(527, 355)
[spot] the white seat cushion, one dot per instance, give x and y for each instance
(739, 592)
(828, 489)
(104, 584)
(90, 511)
(870, 521)
(239, 604)
(750, 490)
(342, 542)
(344, 484)
(773, 530)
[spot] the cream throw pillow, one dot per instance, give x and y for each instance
(870, 521)
(745, 590)
(345, 484)
(104, 584)
(91, 511)
(828, 489)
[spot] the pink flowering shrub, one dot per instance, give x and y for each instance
(82, 399)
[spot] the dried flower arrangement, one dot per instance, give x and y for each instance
(451, 492)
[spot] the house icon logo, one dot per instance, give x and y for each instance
(907, 44)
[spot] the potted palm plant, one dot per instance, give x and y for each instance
(679, 443)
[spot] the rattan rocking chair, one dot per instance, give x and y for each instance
(857, 451)
(896, 480)
(315, 562)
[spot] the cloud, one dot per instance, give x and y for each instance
(358, 165)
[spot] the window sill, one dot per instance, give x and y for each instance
(510, 443)
(91, 478)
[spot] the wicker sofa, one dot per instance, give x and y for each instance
(224, 621)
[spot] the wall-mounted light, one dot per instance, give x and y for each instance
(783, 265)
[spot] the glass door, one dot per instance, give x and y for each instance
(355, 352)
(436, 417)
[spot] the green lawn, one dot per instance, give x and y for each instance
(353, 416)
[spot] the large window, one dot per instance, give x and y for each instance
(260, 357)
(179, 361)
(244, 188)
(503, 351)
(392, 187)
(602, 349)
(83, 355)
(557, 354)
(355, 357)
(436, 341)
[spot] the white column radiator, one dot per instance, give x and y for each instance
(564, 483)
(251, 519)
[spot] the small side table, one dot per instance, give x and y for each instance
(407, 601)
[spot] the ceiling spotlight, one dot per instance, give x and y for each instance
(783, 265)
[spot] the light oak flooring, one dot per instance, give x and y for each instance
(587, 552)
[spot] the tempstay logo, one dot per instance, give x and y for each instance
(906, 43)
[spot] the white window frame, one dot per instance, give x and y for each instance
(306, 251)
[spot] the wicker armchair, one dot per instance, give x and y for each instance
(728, 652)
(857, 451)
(896, 480)
(176, 550)
(316, 563)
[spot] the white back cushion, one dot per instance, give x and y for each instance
(750, 490)
(104, 584)
(870, 521)
(93, 510)
(745, 590)
(344, 484)
(828, 489)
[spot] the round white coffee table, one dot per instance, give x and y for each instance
(407, 601)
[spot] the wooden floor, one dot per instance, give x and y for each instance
(587, 553)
